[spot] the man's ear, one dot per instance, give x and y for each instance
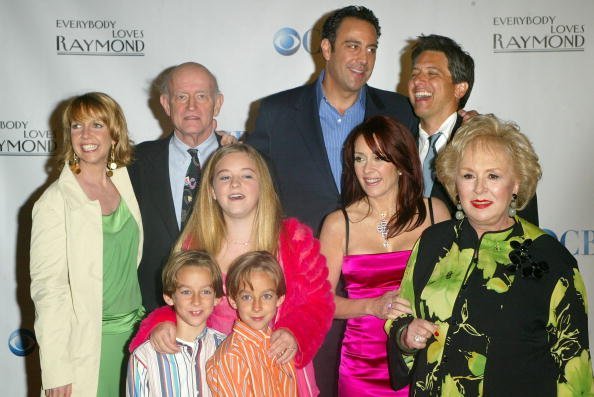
(460, 89)
(164, 99)
(218, 103)
(326, 48)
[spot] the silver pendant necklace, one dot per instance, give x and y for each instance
(382, 229)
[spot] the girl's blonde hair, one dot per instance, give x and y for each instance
(206, 229)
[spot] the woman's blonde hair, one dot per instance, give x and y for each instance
(206, 228)
(493, 134)
(102, 107)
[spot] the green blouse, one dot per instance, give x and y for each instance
(121, 292)
(511, 309)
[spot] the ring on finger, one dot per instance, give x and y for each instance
(418, 338)
(389, 306)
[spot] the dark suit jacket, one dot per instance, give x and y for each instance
(289, 135)
(149, 174)
(530, 213)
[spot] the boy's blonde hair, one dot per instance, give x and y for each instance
(202, 259)
(241, 270)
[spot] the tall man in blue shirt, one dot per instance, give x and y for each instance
(190, 96)
(301, 132)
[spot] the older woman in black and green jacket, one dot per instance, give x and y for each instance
(499, 306)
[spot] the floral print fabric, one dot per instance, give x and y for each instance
(511, 309)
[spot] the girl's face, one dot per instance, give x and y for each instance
(236, 186)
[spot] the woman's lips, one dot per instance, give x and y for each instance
(481, 204)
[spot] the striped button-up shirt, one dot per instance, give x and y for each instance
(152, 374)
(241, 367)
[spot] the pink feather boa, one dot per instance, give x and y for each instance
(309, 303)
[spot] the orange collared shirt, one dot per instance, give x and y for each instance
(241, 367)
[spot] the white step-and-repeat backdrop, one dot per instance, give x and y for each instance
(534, 65)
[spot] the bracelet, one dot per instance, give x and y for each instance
(404, 350)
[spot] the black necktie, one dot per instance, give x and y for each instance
(191, 184)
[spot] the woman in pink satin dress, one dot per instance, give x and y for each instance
(368, 243)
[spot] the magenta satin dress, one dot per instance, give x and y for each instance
(363, 363)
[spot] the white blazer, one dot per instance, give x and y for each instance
(67, 280)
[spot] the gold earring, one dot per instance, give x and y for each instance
(111, 165)
(74, 164)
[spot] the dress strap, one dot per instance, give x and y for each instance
(346, 222)
(431, 210)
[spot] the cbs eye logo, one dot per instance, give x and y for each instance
(22, 342)
(287, 41)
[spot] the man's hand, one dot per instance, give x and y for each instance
(226, 138)
(467, 114)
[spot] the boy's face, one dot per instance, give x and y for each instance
(193, 299)
(257, 307)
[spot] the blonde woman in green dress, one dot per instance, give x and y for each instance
(86, 243)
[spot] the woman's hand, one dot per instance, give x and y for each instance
(62, 391)
(163, 338)
(283, 346)
(389, 306)
(417, 333)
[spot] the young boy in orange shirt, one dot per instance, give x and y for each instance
(241, 365)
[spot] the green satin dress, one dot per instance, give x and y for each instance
(122, 302)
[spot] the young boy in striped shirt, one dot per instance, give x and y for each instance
(241, 365)
(192, 284)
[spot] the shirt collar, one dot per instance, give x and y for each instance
(182, 342)
(204, 147)
(258, 338)
(320, 95)
(469, 238)
(445, 128)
